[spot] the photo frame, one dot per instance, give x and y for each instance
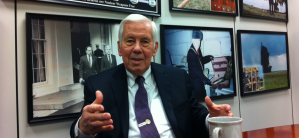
(211, 67)
(146, 7)
(218, 7)
(62, 51)
(269, 10)
(263, 61)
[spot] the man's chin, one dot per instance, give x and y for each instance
(137, 71)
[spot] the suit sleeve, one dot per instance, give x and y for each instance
(115, 63)
(89, 97)
(205, 60)
(195, 67)
(198, 111)
(103, 63)
(81, 67)
(97, 65)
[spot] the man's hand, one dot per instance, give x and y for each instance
(210, 57)
(81, 80)
(93, 120)
(218, 110)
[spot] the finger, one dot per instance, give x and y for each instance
(227, 107)
(93, 108)
(101, 123)
(209, 102)
(106, 128)
(230, 114)
(99, 98)
(99, 117)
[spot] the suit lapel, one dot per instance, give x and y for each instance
(120, 91)
(163, 83)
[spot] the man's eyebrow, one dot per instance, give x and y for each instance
(130, 36)
(145, 37)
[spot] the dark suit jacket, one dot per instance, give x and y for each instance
(105, 64)
(195, 67)
(85, 69)
(186, 116)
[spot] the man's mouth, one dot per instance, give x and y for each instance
(136, 59)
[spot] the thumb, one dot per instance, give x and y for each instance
(209, 102)
(99, 98)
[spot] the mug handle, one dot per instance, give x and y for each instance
(216, 132)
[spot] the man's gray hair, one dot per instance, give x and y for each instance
(136, 18)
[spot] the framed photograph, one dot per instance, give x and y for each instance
(265, 9)
(263, 61)
(62, 51)
(220, 7)
(146, 7)
(207, 54)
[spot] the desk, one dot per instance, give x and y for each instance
(289, 131)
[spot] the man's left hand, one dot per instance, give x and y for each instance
(218, 110)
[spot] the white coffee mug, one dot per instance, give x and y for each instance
(225, 127)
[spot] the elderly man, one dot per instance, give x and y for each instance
(142, 99)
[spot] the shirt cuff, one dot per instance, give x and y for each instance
(207, 123)
(79, 134)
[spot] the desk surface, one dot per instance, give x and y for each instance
(289, 131)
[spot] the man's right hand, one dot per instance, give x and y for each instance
(93, 120)
(81, 80)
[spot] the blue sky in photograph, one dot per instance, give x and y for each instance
(251, 50)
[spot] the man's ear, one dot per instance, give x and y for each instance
(119, 48)
(155, 48)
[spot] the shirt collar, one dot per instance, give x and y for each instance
(147, 76)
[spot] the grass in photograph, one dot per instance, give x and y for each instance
(276, 80)
(195, 4)
(251, 10)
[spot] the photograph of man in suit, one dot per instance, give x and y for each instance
(196, 65)
(88, 65)
(108, 60)
(140, 98)
(99, 54)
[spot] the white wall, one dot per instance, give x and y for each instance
(8, 119)
(260, 111)
(293, 33)
(271, 109)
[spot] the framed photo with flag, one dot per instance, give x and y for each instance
(206, 53)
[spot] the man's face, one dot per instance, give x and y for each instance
(88, 51)
(196, 43)
(108, 49)
(137, 46)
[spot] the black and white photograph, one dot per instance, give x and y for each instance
(62, 51)
(146, 7)
(206, 53)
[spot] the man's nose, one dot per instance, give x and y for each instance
(137, 48)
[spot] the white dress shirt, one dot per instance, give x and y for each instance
(155, 105)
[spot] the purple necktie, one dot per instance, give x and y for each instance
(143, 114)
